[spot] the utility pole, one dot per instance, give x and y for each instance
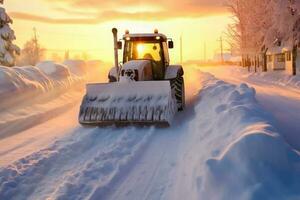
(181, 50)
(35, 36)
(35, 40)
(204, 56)
(221, 47)
(67, 55)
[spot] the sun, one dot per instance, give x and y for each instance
(140, 49)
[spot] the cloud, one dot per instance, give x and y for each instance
(38, 18)
(99, 11)
(98, 4)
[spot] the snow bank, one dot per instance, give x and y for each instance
(277, 78)
(274, 77)
(15, 81)
(20, 82)
(34, 74)
(250, 160)
(58, 72)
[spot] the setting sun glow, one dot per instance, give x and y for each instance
(85, 29)
(140, 49)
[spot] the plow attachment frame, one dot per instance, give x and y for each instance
(138, 103)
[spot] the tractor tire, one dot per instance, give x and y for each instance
(112, 79)
(177, 86)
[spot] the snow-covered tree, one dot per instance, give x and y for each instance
(8, 50)
(264, 23)
(251, 20)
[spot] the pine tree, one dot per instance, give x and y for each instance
(8, 50)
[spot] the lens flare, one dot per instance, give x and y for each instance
(140, 49)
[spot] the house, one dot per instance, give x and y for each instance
(288, 53)
(280, 59)
(297, 62)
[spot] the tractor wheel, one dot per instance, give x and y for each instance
(112, 79)
(177, 86)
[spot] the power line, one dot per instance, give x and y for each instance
(204, 56)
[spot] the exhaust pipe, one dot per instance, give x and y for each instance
(115, 35)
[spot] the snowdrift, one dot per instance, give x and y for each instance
(23, 83)
(249, 159)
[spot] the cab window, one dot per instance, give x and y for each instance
(147, 50)
(136, 50)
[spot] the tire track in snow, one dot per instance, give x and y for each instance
(20, 179)
(86, 160)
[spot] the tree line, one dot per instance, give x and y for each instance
(262, 24)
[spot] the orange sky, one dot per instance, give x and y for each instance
(85, 25)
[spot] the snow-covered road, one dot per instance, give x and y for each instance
(210, 151)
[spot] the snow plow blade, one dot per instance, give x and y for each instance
(142, 103)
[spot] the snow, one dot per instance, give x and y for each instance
(253, 161)
(271, 77)
(277, 97)
(141, 66)
(3, 16)
(54, 70)
(223, 146)
(136, 64)
(31, 113)
(95, 168)
(264, 26)
(7, 48)
(77, 67)
(36, 75)
(19, 83)
(277, 78)
(172, 71)
(129, 101)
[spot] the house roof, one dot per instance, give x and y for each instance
(279, 50)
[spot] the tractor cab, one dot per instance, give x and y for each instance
(153, 47)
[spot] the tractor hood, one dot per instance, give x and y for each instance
(136, 64)
(141, 67)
